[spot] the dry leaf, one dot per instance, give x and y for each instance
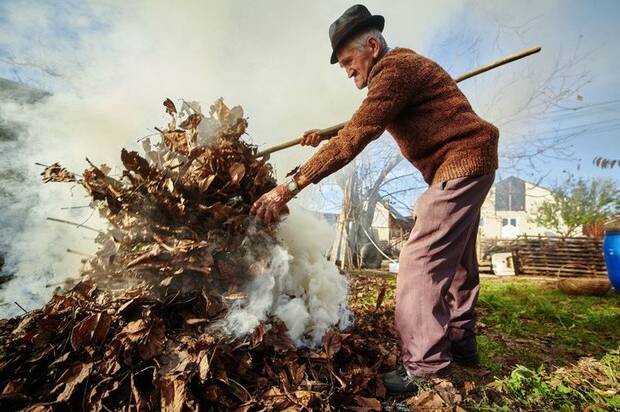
(170, 107)
(71, 379)
(204, 366)
(90, 331)
(366, 404)
(237, 171)
(56, 173)
(173, 394)
(192, 121)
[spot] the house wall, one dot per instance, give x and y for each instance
(492, 221)
(381, 225)
(386, 231)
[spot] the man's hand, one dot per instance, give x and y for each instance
(269, 206)
(311, 138)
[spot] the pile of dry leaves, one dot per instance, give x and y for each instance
(139, 332)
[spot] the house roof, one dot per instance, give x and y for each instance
(395, 213)
(516, 178)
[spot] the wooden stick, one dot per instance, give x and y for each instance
(49, 285)
(76, 252)
(333, 130)
(20, 306)
(53, 219)
(498, 63)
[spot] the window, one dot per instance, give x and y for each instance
(509, 228)
(509, 221)
(510, 195)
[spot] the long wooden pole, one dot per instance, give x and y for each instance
(333, 130)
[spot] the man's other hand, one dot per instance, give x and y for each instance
(311, 138)
(270, 205)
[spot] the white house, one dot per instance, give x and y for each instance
(389, 226)
(509, 209)
(388, 231)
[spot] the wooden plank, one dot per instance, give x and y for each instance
(564, 249)
(586, 260)
(552, 242)
(556, 253)
(549, 272)
(578, 259)
(548, 255)
(562, 269)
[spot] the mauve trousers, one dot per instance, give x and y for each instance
(437, 285)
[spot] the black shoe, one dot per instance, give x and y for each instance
(399, 382)
(471, 360)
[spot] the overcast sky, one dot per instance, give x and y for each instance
(111, 63)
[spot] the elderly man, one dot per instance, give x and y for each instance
(420, 105)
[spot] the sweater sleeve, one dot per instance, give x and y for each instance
(389, 90)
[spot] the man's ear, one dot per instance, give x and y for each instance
(375, 46)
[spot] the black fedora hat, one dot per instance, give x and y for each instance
(352, 21)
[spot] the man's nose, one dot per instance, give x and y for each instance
(350, 72)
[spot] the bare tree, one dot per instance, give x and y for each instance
(361, 190)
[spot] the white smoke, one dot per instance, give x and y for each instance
(109, 64)
(35, 249)
(298, 285)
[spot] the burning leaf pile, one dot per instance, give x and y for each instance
(147, 327)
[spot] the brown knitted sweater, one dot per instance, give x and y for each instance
(418, 102)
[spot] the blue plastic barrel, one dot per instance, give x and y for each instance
(611, 249)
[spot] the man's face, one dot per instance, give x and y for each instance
(358, 61)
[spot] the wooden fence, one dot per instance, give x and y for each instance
(556, 256)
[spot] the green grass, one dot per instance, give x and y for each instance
(529, 321)
(540, 349)
(589, 385)
(490, 350)
(516, 312)
(535, 340)
(535, 322)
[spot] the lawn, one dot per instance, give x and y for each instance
(540, 349)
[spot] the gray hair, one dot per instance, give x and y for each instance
(360, 39)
